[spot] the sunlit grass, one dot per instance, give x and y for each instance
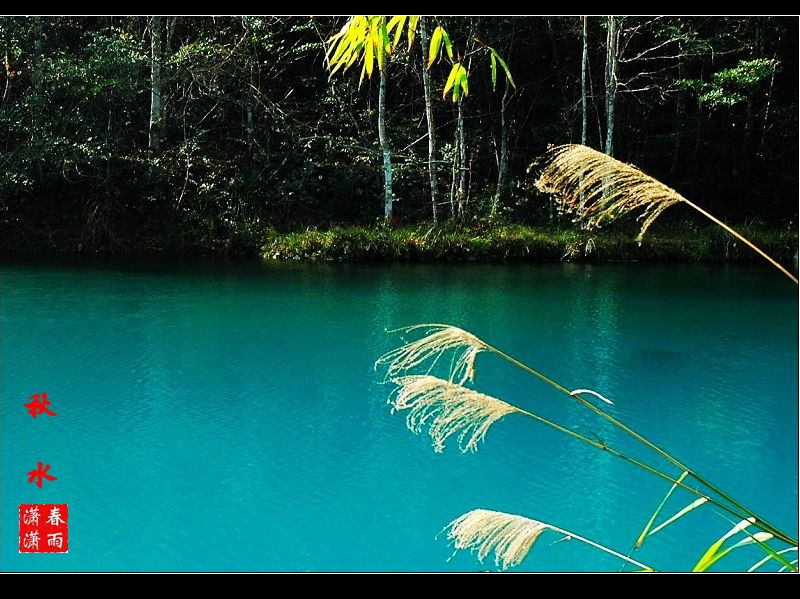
(515, 242)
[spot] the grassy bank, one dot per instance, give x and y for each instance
(521, 243)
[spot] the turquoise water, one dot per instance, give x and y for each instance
(216, 416)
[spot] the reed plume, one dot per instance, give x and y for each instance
(438, 340)
(598, 189)
(447, 409)
(511, 537)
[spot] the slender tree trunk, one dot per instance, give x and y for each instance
(462, 159)
(584, 91)
(766, 110)
(387, 156)
(502, 163)
(109, 130)
(109, 152)
(454, 176)
(612, 49)
(584, 73)
(156, 30)
(426, 84)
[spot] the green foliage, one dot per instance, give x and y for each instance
(495, 58)
(365, 39)
(510, 242)
(729, 87)
(458, 78)
(439, 35)
(256, 135)
(458, 81)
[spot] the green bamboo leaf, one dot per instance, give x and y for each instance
(694, 505)
(396, 23)
(412, 29)
(384, 35)
(494, 70)
(504, 65)
(354, 55)
(451, 79)
(379, 41)
(464, 80)
(436, 42)
(344, 30)
(331, 43)
(345, 61)
(708, 557)
(447, 45)
(674, 486)
(348, 35)
(343, 45)
(368, 56)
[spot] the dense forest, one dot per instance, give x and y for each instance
(202, 134)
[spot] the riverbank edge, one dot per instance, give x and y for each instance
(428, 243)
(521, 243)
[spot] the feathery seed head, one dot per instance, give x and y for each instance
(447, 409)
(597, 188)
(439, 339)
(510, 536)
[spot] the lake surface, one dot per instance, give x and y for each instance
(217, 416)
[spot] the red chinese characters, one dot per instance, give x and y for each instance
(35, 407)
(39, 406)
(40, 474)
(43, 528)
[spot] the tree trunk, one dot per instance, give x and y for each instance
(612, 49)
(426, 84)
(454, 176)
(156, 29)
(462, 159)
(584, 107)
(584, 73)
(387, 156)
(502, 163)
(766, 110)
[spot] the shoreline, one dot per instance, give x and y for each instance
(450, 243)
(521, 243)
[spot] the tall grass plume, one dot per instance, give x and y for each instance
(438, 340)
(447, 409)
(598, 189)
(511, 537)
